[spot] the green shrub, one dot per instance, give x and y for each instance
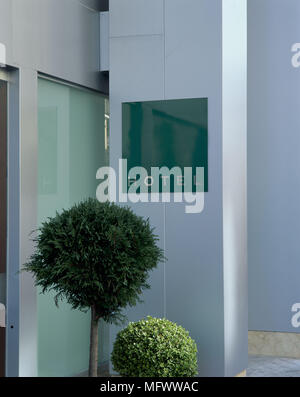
(154, 348)
(96, 256)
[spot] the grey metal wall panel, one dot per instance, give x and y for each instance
(136, 74)
(235, 184)
(70, 42)
(192, 52)
(185, 62)
(6, 26)
(142, 63)
(136, 17)
(153, 299)
(26, 37)
(56, 37)
(273, 164)
(194, 277)
(194, 283)
(104, 41)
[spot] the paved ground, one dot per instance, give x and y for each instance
(261, 366)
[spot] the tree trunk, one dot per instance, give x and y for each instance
(93, 364)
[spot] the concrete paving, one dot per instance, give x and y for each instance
(262, 366)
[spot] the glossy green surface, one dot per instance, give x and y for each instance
(166, 133)
(71, 148)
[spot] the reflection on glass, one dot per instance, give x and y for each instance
(73, 143)
(170, 133)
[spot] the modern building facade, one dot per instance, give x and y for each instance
(273, 188)
(69, 70)
(52, 74)
(151, 59)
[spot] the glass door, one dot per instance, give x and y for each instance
(3, 220)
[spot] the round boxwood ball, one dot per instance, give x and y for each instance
(154, 348)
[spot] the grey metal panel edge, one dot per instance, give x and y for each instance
(12, 333)
(234, 97)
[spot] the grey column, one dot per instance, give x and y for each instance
(172, 49)
(28, 219)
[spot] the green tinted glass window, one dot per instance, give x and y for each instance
(170, 133)
(72, 145)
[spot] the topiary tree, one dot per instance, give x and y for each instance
(154, 348)
(96, 256)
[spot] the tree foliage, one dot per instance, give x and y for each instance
(95, 255)
(155, 348)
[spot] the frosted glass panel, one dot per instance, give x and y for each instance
(73, 144)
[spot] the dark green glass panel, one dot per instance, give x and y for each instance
(166, 133)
